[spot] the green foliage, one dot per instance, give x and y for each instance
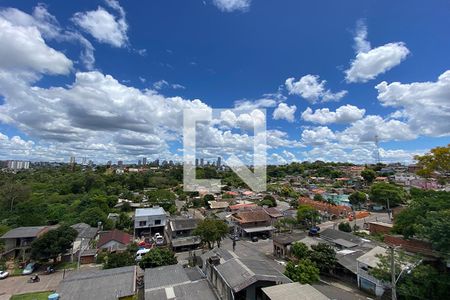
(437, 161)
(324, 256)
(357, 198)
(208, 197)
(300, 250)
(369, 175)
(427, 216)
(345, 226)
(318, 197)
(383, 192)
(124, 222)
(305, 271)
(118, 259)
(211, 231)
(158, 257)
(307, 214)
(92, 216)
(53, 243)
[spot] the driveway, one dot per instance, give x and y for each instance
(19, 285)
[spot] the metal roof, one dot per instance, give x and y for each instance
(198, 290)
(370, 258)
(152, 211)
(23, 232)
(258, 229)
(183, 224)
(241, 273)
(293, 291)
(99, 284)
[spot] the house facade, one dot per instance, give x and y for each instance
(148, 221)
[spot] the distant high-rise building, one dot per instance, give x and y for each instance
(139, 162)
(109, 163)
(144, 161)
(72, 160)
(219, 162)
(170, 162)
(201, 162)
(18, 164)
(120, 163)
(84, 161)
(196, 162)
(157, 162)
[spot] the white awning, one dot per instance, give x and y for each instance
(258, 229)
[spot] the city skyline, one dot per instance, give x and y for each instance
(109, 80)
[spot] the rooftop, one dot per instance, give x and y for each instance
(370, 258)
(24, 232)
(176, 282)
(114, 235)
(293, 291)
(183, 224)
(152, 211)
(240, 273)
(84, 284)
(85, 230)
(251, 216)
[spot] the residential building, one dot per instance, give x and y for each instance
(148, 221)
(144, 161)
(176, 282)
(273, 213)
(180, 234)
(239, 278)
(114, 240)
(219, 162)
(282, 243)
(253, 222)
(18, 165)
(92, 283)
(292, 291)
(366, 281)
(18, 240)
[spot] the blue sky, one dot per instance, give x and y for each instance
(331, 76)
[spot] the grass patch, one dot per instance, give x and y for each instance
(66, 265)
(32, 296)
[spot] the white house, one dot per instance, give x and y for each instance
(366, 281)
(148, 221)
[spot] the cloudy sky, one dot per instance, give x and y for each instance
(109, 80)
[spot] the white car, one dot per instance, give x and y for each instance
(141, 253)
(3, 274)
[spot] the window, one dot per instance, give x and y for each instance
(157, 222)
(142, 223)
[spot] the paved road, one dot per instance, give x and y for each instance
(19, 285)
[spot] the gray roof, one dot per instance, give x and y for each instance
(371, 258)
(198, 290)
(174, 281)
(241, 273)
(98, 284)
(183, 224)
(186, 241)
(85, 230)
(293, 291)
(336, 236)
(23, 232)
(152, 211)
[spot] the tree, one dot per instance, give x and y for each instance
(269, 201)
(118, 259)
(53, 243)
(357, 198)
(158, 257)
(305, 271)
(387, 194)
(307, 214)
(300, 250)
(345, 226)
(208, 197)
(436, 161)
(324, 256)
(211, 231)
(92, 216)
(14, 193)
(369, 175)
(436, 228)
(318, 197)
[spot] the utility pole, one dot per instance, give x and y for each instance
(393, 279)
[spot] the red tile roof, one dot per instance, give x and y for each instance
(114, 235)
(242, 205)
(326, 207)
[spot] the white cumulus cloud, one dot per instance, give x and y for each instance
(311, 88)
(284, 111)
(104, 26)
(344, 114)
(369, 63)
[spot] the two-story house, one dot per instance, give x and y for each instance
(18, 240)
(364, 264)
(180, 234)
(253, 222)
(148, 221)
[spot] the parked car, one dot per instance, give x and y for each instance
(159, 239)
(30, 268)
(314, 231)
(254, 239)
(3, 274)
(140, 253)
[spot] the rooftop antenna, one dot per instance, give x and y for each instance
(377, 150)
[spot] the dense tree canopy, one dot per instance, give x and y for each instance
(437, 162)
(211, 231)
(53, 243)
(383, 193)
(369, 175)
(305, 271)
(357, 199)
(158, 257)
